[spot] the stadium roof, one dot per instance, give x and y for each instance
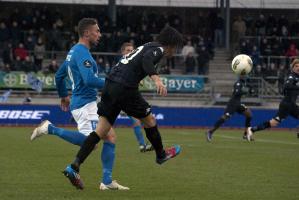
(262, 4)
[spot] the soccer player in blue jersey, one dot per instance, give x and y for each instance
(81, 69)
(125, 49)
(121, 93)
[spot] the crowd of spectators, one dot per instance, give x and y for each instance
(27, 34)
(272, 42)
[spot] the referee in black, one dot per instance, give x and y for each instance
(121, 93)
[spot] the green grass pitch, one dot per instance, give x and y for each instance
(226, 169)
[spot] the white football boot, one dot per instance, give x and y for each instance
(113, 186)
(249, 134)
(42, 129)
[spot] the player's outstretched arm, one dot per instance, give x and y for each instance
(161, 89)
(60, 76)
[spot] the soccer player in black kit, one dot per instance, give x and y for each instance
(287, 105)
(234, 105)
(121, 93)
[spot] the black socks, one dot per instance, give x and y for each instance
(155, 139)
(248, 122)
(262, 126)
(85, 150)
(217, 124)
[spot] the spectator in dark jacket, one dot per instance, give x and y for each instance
(190, 63)
(203, 60)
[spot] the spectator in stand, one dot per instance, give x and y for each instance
(238, 32)
(282, 74)
(188, 48)
(21, 52)
(53, 66)
(101, 65)
(15, 32)
(276, 50)
(292, 51)
(258, 71)
(268, 50)
(54, 38)
(244, 48)
(260, 26)
(271, 23)
(39, 52)
(203, 60)
(210, 47)
(190, 63)
(4, 33)
(263, 45)
(7, 68)
(17, 64)
(219, 31)
(7, 54)
(248, 19)
(29, 43)
(255, 56)
(32, 34)
(284, 31)
(271, 74)
(28, 65)
(283, 22)
(295, 28)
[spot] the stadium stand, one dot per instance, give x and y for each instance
(36, 36)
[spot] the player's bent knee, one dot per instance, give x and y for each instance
(111, 136)
(225, 117)
(149, 121)
(274, 122)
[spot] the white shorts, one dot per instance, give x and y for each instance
(86, 118)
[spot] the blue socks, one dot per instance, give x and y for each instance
(138, 134)
(107, 157)
(74, 137)
(77, 138)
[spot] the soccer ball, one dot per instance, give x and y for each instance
(242, 64)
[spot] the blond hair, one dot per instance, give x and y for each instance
(295, 61)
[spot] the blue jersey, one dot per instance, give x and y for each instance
(82, 71)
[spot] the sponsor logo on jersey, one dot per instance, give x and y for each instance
(23, 114)
(87, 63)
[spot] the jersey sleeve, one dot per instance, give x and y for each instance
(60, 76)
(240, 89)
(291, 83)
(84, 63)
(150, 59)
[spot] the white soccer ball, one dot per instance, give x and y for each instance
(242, 64)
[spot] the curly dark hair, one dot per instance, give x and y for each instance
(169, 36)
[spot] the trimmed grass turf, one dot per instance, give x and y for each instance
(228, 168)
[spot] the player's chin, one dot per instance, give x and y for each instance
(96, 42)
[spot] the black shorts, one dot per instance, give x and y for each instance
(231, 108)
(116, 97)
(286, 109)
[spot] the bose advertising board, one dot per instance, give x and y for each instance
(173, 117)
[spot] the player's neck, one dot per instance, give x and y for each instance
(84, 42)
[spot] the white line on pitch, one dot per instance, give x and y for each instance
(259, 140)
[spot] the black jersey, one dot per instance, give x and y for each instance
(134, 67)
(291, 88)
(240, 89)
